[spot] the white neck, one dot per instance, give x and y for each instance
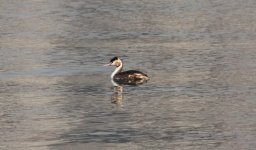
(114, 83)
(117, 70)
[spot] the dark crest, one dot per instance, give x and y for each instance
(113, 59)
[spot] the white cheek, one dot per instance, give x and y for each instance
(116, 63)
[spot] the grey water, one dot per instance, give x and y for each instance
(55, 93)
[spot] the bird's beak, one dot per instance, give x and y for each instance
(107, 64)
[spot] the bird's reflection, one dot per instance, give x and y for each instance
(117, 95)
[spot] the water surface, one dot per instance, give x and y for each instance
(55, 94)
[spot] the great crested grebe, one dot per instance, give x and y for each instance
(131, 77)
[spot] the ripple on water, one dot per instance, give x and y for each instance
(55, 94)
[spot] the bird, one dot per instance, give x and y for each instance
(130, 77)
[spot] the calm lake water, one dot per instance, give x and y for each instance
(55, 93)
